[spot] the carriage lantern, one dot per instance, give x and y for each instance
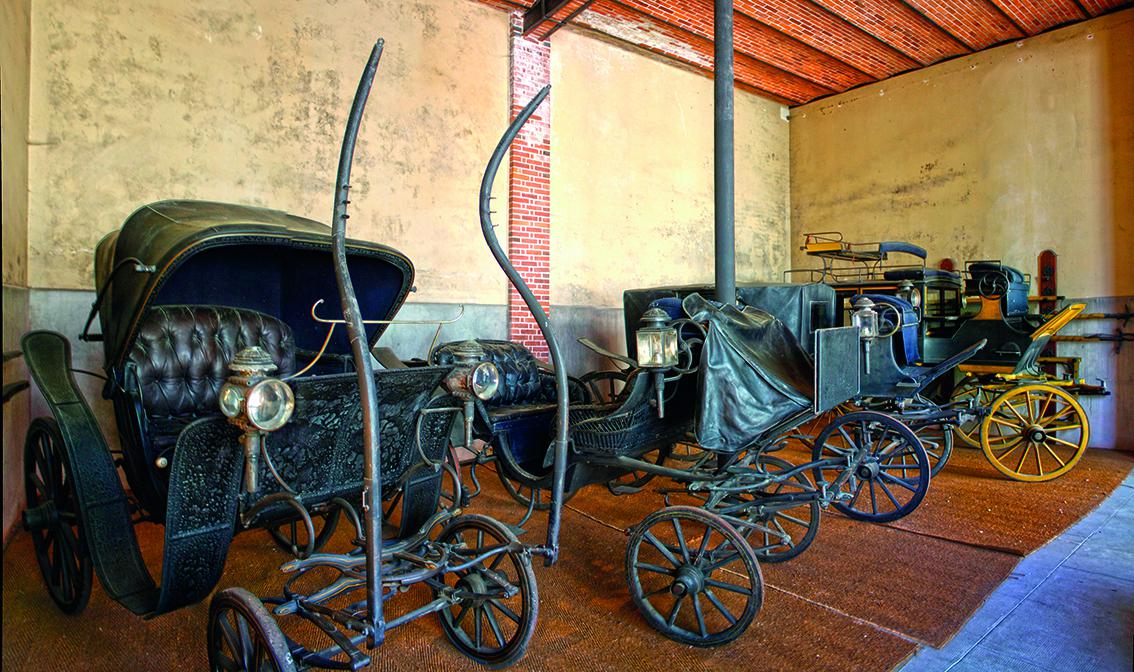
(473, 379)
(657, 349)
(256, 403)
(911, 295)
(865, 319)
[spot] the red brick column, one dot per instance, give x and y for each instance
(529, 186)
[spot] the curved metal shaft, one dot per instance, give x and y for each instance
(368, 397)
(541, 318)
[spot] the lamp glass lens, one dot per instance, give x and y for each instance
(485, 380)
(231, 400)
(657, 348)
(270, 403)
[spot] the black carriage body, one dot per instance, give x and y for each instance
(180, 274)
(184, 286)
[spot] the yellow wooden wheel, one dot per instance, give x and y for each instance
(968, 433)
(1034, 433)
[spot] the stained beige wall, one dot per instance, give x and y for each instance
(246, 102)
(1002, 154)
(15, 38)
(632, 175)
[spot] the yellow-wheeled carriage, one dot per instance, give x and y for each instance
(1007, 400)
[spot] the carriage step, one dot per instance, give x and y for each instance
(515, 529)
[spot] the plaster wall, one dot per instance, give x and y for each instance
(632, 175)
(1003, 154)
(15, 41)
(246, 102)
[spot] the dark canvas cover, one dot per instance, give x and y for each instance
(802, 307)
(754, 375)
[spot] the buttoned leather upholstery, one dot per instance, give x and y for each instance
(181, 355)
(520, 378)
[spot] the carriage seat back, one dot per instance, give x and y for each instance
(906, 339)
(182, 353)
(1014, 301)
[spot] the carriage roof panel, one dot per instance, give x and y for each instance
(243, 256)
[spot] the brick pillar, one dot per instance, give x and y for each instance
(529, 186)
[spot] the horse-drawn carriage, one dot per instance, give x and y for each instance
(236, 410)
(703, 401)
(1026, 419)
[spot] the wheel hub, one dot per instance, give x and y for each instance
(688, 581)
(868, 470)
(1035, 434)
(41, 517)
(476, 585)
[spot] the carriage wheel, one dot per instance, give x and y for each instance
(604, 386)
(493, 621)
(792, 528)
(892, 476)
(938, 443)
(243, 636)
(52, 517)
(293, 536)
(693, 577)
(523, 493)
(633, 481)
(1034, 433)
(969, 432)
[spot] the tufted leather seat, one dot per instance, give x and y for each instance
(181, 354)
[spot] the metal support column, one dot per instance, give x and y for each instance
(724, 172)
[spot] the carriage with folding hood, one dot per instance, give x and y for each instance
(1021, 411)
(241, 405)
(703, 404)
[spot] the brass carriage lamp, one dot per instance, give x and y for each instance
(909, 293)
(657, 350)
(255, 402)
(865, 319)
(472, 379)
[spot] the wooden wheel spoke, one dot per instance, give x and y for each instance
(1058, 440)
(720, 607)
(648, 536)
(478, 631)
(896, 481)
(1023, 456)
(1028, 405)
(504, 609)
(717, 564)
(700, 615)
(1046, 403)
(889, 495)
(494, 625)
(681, 539)
(230, 636)
(1039, 462)
(672, 618)
(1010, 407)
(460, 614)
(1061, 428)
(654, 568)
(1006, 423)
(703, 546)
(724, 585)
(1053, 454)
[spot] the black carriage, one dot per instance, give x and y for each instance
(1004, 400)
(238, 408)
(703, 401)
